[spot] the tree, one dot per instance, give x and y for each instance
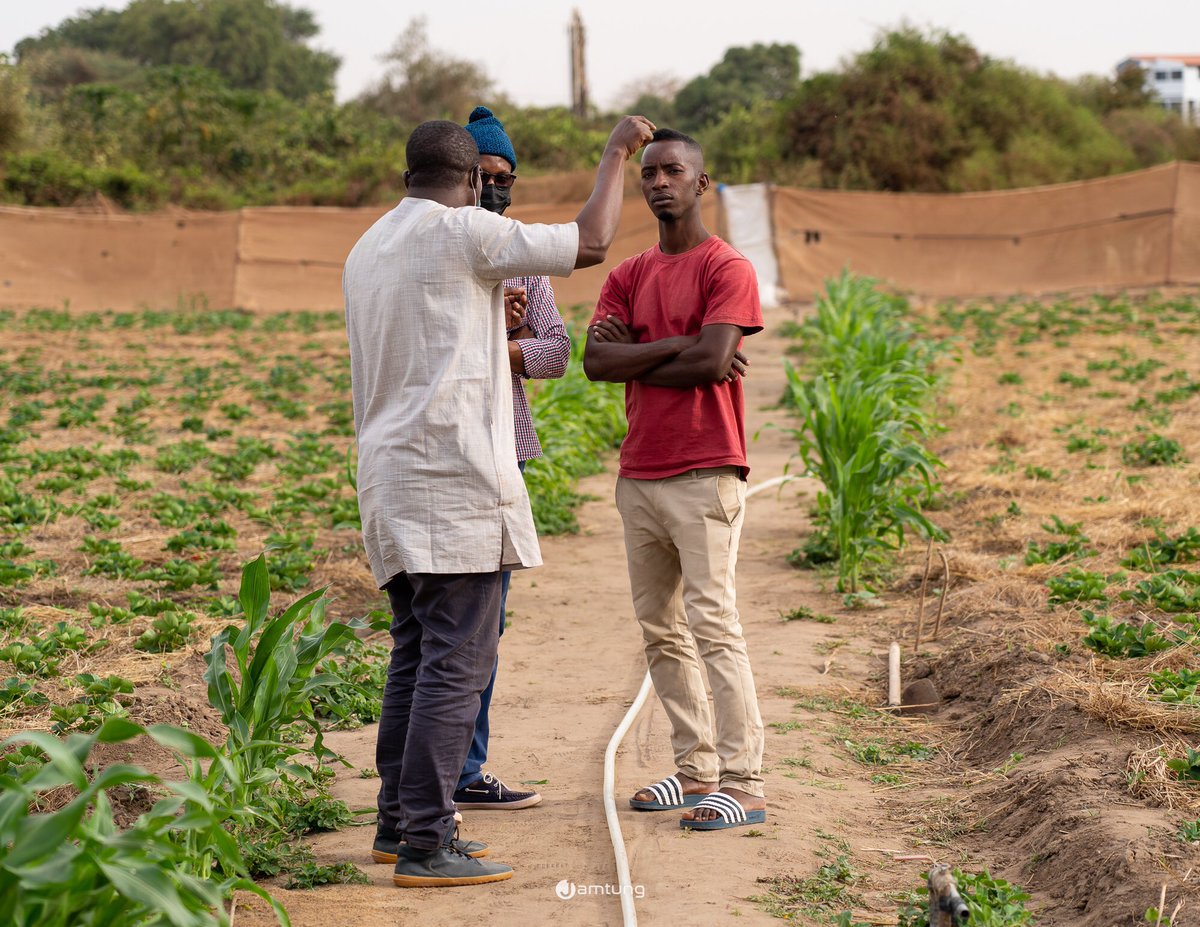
(744, 146)
(423, 83)
(1128, 90)
(930, 113)
(54, 71)
(252, 44)
(12, 105)
(743, 77)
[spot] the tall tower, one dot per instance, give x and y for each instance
(579, 88)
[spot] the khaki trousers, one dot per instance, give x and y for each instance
(681, 539)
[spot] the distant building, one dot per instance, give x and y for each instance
(1175, 79)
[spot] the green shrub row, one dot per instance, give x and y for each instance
(578, 423)
(865, 400)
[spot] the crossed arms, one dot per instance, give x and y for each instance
(681, 361)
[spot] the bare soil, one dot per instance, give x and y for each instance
(1085, 818)
(1024, 781)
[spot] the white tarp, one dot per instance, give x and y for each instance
(748, 224)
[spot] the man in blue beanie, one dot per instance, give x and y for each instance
(537, 349)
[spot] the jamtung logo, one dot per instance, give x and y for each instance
(565, 890)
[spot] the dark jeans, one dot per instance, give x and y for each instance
(443, 653)
(477, 755)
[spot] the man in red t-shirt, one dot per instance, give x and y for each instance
(669, 325)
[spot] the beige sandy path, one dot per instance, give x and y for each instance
(571, 662)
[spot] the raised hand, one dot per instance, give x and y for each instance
(630, 135)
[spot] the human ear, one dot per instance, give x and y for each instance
(702, 183)
(475, 181)
(407, 175)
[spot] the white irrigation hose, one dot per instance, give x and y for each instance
(625, 884)
(628, 914)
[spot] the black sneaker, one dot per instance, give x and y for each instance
(387, 846)
(490, 794)
(445, 866)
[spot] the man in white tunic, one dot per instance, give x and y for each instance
(444, 508)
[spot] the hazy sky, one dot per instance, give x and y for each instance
(524, 44)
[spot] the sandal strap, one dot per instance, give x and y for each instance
(668, 791)
(729, 809)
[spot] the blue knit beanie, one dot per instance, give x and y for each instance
(489, 135)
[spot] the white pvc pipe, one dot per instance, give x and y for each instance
(894, 675)
(624, 882)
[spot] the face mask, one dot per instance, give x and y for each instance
(495, 199)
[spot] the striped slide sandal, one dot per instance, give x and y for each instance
(730, 813)
(668, 796)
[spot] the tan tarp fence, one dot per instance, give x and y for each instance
(260, 258)
(1185, 236)
(1132, 230)
(96, 261)
(1137, 229)
(292, 257)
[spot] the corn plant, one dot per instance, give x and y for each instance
(278, 674)
(859, 440)
(71, 867)
(859, 328)
(865, 420)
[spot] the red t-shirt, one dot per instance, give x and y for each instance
(658, 295)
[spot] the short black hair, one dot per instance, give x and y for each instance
(439, 152)
(674, 135)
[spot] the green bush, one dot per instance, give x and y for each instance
(14, 112)
(578, 422)
(1121, 639)
(991, 902)
(54, 178)
(241, 113)
(1152, 451)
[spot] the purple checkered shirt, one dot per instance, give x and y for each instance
(545, 356)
